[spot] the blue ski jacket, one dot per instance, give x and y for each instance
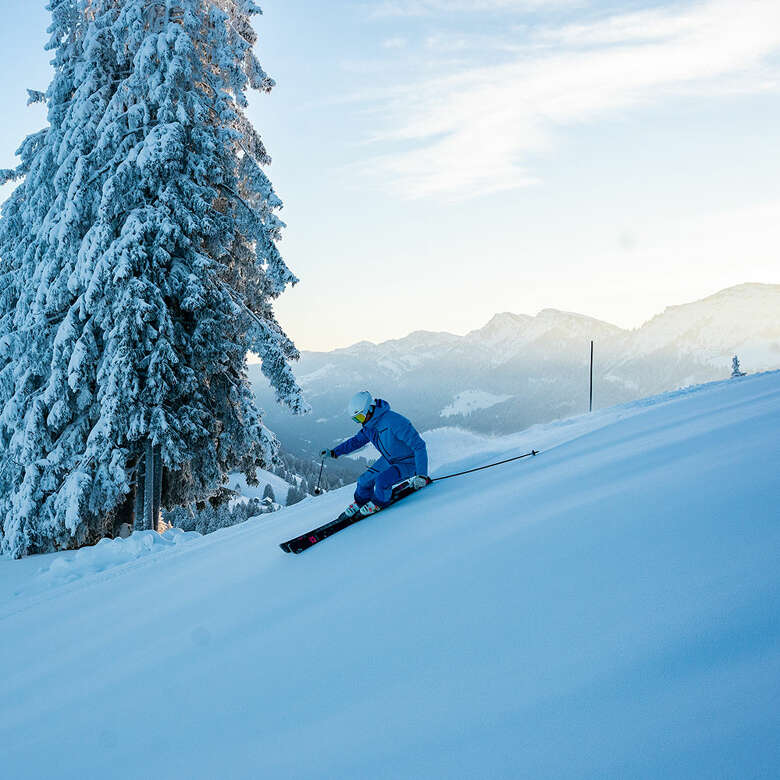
(393, 435)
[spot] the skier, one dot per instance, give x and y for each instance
(404, 455)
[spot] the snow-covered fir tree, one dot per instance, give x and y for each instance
(139, 264)
(294, 495)
(736, 371)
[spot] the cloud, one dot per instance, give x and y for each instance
(432, 7)
(475, 129)
(394, 43)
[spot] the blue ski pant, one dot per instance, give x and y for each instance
(376, 483)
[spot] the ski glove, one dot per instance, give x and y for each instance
(327, 454)
(418, 482)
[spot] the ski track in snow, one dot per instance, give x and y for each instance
(607, 609)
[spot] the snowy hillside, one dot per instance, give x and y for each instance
(518, 370)
(470, 400)
(610, 608)
(279, 486)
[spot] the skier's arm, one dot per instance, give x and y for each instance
(407, 433)
(360, 439)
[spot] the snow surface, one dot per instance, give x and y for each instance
(610, 608)
(107, 554)
(470, 400)
(280, 487)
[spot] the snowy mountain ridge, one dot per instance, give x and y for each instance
(606, 609)
(723, 320)
(532, 369)
(738, 318)
(505, 332)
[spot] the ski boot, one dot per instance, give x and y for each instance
(370, 509)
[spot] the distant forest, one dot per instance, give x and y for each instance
(302, 474)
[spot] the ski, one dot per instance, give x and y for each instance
(310, 538)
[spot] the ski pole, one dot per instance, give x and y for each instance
(533, 453)
(317, 490)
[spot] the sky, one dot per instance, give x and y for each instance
(444, 160)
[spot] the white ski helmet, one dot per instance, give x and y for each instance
(360, 405)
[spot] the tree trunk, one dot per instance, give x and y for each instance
(138, 524)
(158, 475)
(149, 522)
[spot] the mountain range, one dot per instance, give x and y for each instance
(519, 370)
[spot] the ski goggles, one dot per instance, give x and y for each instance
(360, 417)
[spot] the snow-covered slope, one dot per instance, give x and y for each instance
(610, 608)
(469, 400)
(279, 486)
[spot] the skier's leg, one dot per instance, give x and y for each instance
(383, 485)
(364, 491)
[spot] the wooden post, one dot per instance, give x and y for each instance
(590, 407)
